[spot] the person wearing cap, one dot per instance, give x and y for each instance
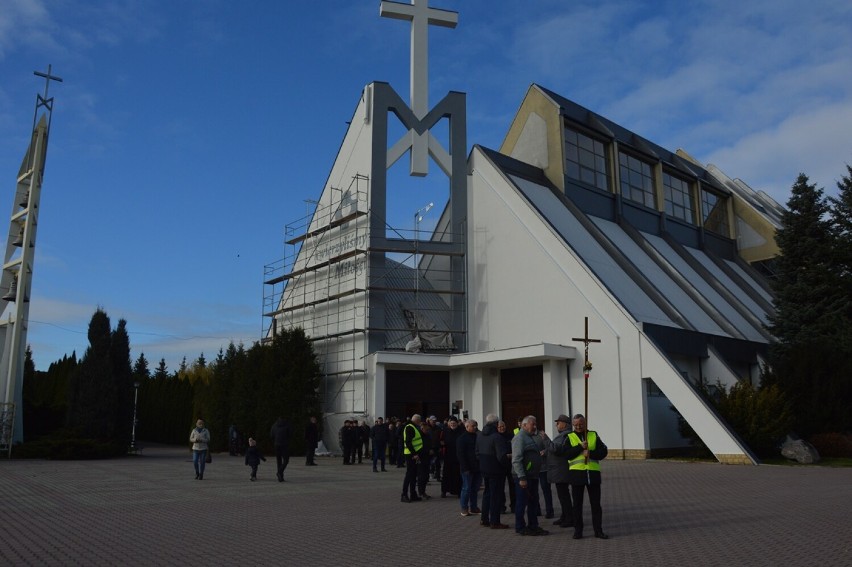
(557, 470)
(584, 473)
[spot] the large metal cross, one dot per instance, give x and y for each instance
(43, 100)
(421, 17)
(586, 366)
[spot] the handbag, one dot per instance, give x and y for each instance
(209, 458)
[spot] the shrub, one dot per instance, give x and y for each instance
(761, 416)
(67, 445)
(832, 445)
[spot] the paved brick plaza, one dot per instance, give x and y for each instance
(149, 510)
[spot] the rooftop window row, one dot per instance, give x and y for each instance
(648, 182)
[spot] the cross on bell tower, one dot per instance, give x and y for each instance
(17, 272)
(418, 118)
(421, 17)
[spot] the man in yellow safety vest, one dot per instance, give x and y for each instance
(584, 472)
(412, 448)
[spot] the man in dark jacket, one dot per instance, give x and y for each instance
(492, 453)
(348, 439)
(584, 471)
(450, 477)
(557, 470)
(280, 434)
(363, 440)
(469, 466)
(379, 435)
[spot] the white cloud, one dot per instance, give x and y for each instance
(811, 142)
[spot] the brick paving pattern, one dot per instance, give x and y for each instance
(149, 510)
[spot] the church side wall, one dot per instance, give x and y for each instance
(527, 286)
(333, 265)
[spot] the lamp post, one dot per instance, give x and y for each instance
(133, 431)
(418, 216)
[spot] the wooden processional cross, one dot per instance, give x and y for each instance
(587, 367)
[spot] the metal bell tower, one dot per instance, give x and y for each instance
(16, 278)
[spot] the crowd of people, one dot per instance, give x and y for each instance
(514, 466)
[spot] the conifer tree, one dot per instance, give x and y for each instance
(809, 359)
(162, 371)
(841, 214)
(122, 375)
(807, 296)
(93, 394)
(141, 372)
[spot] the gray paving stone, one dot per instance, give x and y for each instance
(149, 510)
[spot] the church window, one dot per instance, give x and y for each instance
(637, 180)
(714, 212)
(679, 202)
(585, 159)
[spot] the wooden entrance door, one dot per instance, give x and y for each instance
(522, 394)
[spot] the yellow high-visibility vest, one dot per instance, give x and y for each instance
(416, 441)
(578, 463)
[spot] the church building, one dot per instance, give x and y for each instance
(576, 235)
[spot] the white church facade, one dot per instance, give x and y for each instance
(573, 219)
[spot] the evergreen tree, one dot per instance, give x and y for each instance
(182, 370)
(807, 297)
(93, 393)
(841, 214)
(141, 372)
(162, 371)
(46, 397)
(809, 358)
(122, 375)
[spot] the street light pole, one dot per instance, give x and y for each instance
(418, 216)
(135, 401)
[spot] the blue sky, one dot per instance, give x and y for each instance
(186, 135)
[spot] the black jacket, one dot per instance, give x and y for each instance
(280, 433)
(491, 450)
(254, 456)
(379, 433)
(466, 452)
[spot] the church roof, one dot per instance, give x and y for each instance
(662, 283)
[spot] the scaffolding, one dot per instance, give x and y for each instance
(353, 296)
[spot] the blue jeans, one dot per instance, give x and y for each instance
(470, 489)
(199, 458)
(526, 498)
(379, 453)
